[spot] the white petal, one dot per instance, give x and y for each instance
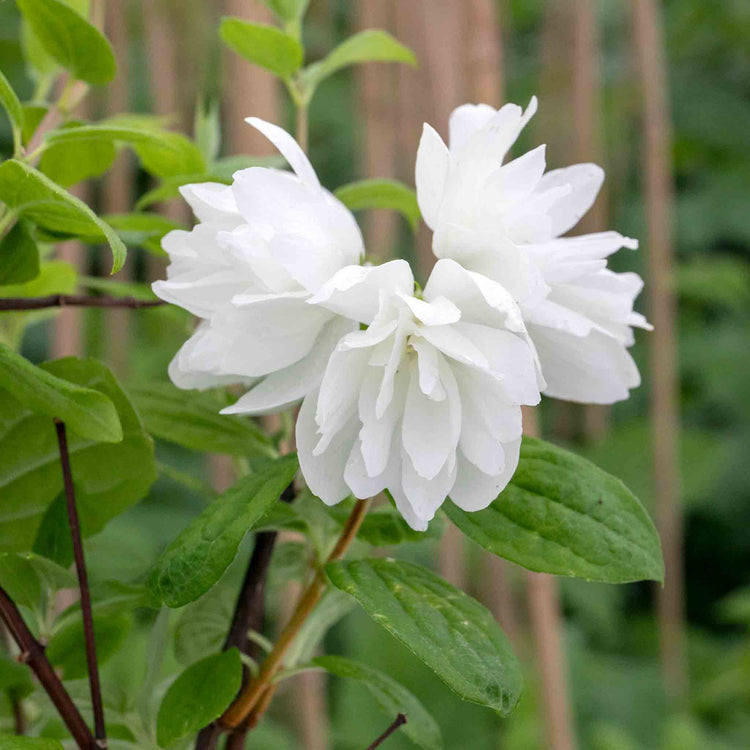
(425, 496)
(211, 201)
(289, 148)
(355, 291)
(585, 180)
(339, 392)
(376, 435)
(514, 182)
(433, 161)
(474, 490)
(595, 369)
(281, 389)
(431, 429)
(451, 342)
(324, 474)
(436, 312)
(429, 369)
(467, 120)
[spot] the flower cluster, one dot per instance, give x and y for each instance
(416, 393)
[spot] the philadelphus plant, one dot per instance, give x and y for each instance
(419, 394)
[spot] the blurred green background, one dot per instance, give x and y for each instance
(610, 634)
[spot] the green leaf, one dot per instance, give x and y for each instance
(118, 288)
(163, 153)
(28, 578)
(109, 477)
(561, 514)
(207, 129)
(381, 193)
(29, 193)
(53, 539)
(202, 626)
(449, 631)
(9, 742)
(372, 45)
(200, 555)
(89, 413)
(73, 161)
(267, 46)
(70, 39)
(192, 420)
(198, 696)
(67, 647)
(13, 108)
(19, 256)
(288, 10)
(141, 229)
(33, 114)
(15, 678)
(392, 697)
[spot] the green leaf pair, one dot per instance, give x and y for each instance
(281, 52)
(32, 195)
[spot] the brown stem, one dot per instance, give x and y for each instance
(399, 721)
(19, 718)
(248, 615)
(32, 654)
(253, 692)
(83, 584)
(74, 300)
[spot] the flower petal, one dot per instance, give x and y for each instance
(431, 172)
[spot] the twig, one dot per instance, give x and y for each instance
(248, 615)
(19, 718)
(32, 654)
(74, 300)
(398, 722)
(83, 583)
(238, 712)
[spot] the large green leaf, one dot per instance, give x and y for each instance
(13, 108)
(15, 678)
(392, 697)
(109, 477)
(19, 256)
(192, 420)
(31, 194)
(9, 742)
(373, 45)
(381, 193)
(142, 229)
(70, 39)
(200, 555)
(561, 514)
(70, 162)
(67, 647)
(84, 410)
(267, 46)
(198, 696)
(163, 153)
(449, 631)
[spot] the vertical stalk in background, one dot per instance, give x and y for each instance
(444, 22)
(83, 585)
(485, 69)
(379, 114)
(161, 50)
(658, 190)
(118, 186)
(546, 624)
(589, 148)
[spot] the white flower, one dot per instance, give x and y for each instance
(263, 245)
(425, 401)
(507, 221)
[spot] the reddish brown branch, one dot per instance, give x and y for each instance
(83, 583)
(32, 654)
(398, 722)
(74, 300)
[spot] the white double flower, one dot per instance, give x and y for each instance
(417, 394)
